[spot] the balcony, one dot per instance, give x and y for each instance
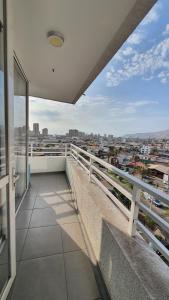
(76, 240)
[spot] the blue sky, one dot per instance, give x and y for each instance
(130, 95)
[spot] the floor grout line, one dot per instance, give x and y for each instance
(26, 235)
(64, 267)
(52, 225)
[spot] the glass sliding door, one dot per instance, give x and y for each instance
(4, 178)
(20, 133)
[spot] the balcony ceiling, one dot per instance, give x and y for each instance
(93, 32)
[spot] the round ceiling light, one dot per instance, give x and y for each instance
(55, 38)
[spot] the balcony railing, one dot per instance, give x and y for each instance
(90, 163)
(57, 150)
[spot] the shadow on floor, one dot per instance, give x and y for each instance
(52, 258)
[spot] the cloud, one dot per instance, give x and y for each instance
(142, 103)
(100, 113)
(152, 16)
(148, 65)
(136, 37)
(131, 107)
(128, 51)
(166, 31)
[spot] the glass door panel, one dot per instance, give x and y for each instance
(4, 240)
(20, 134)
(4, 187)
(2, 98)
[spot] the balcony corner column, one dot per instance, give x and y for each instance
(90, 169)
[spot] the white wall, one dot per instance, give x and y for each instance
(44, 164)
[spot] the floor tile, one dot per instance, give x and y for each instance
(23, 218)
(4, 274)
(52, 199)
(41, 203)
(65, 214)
(81, 282)
(20, 239)
(72, 237)
(29, 201)
(41, 279)
(42, 241)
(43, 217)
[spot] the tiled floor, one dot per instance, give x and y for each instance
(52, 258)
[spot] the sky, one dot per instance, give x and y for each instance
(130, 95)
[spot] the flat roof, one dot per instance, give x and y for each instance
(160, 168)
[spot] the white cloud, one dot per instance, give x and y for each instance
(166, 31)
(136, 38)
(128, 51)
(148, 65)
(131, 107)
(152, 16)
(100, 114)
(142, 103)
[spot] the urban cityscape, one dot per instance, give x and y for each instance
(146, 158)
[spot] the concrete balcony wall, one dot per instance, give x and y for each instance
(130, 269)
(47, 164)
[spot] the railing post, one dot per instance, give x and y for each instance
(90, 169)
(31, 150)
(77, 156)
(134, 210)
(65, 150)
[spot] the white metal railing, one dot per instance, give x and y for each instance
(45, 151)
(88, 163)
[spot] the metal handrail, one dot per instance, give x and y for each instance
(134, 197)
(60, 150)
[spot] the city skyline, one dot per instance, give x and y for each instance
(131, 93)
(164, 134)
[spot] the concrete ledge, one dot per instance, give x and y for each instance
(131, 270)
(47, 164)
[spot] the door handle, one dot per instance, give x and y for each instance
(15, 177)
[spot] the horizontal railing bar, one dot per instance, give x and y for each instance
(43, 148)
(133, 180)
(74, 151)
(41, 152)
(160, 247)
(73, 156)
(85, 160)
(138, 184)
(161, 222)
(113, 198)
(80, 163)
(113, 183)
(86, 169)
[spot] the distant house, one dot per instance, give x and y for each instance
(136, 164)
(160, 171)
(145, 149)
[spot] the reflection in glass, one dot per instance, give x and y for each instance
(2, 103)
(4, 240)
(20, 133)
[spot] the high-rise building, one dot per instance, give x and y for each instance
(73, 132)
(45, 131)
(36, 129)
